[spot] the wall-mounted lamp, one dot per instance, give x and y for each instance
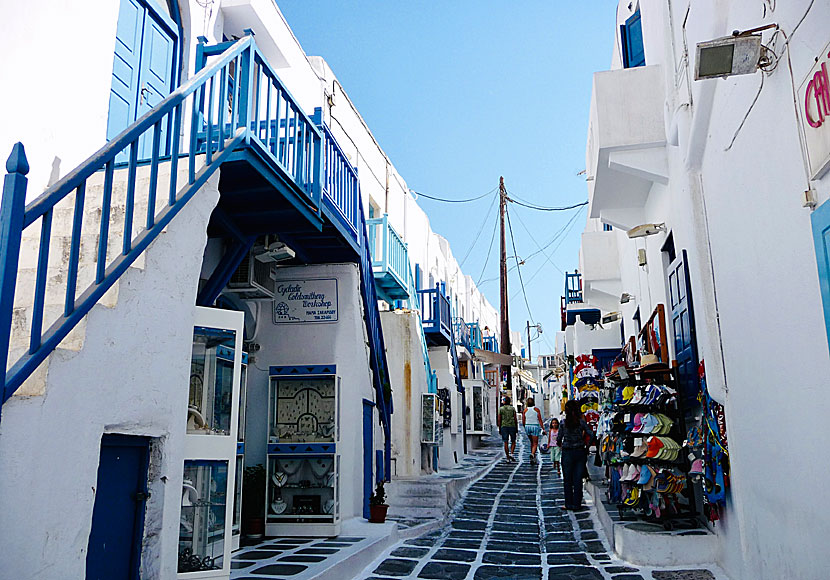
(626, 298)
(644, 230)
(611, 317)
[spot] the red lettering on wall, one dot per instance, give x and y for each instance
(818, 90)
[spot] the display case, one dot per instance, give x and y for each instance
(210, 473)
(303, 467)
(211, 381)
(202, 520)
(430, 418)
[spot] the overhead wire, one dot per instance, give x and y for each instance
(445, 200)
(564, 232)
(516, 256)
(552, 263)
(480, 229)
(489, 250)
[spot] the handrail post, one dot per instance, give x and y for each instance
(385, 252)
(12, 209)
(246, 96)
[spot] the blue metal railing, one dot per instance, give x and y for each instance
(435, 311)
(414, 304)
(254, 97)
(490, 343)
(461, 330)
(389, 252)
(167, 118)
(377, 348)
(573, 287)
(475, 334)
(341, 193)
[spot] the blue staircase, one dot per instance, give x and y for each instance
(282, 171)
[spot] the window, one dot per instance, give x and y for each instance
(631, 33)
(607, 227)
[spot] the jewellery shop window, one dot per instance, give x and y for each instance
(303, 488)
(203, 509)
(302, 410)
(211, 381)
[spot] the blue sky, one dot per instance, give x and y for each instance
(460, 92)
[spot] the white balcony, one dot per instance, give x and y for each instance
(600, 268)
(626, 151)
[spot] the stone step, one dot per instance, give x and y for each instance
(425, 501)
(401, 489)
(415, 513)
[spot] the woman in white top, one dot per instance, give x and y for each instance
(532, 421)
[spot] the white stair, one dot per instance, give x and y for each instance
(59, 252)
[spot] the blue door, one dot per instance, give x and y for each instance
(114, 549)
(368, 415)
(142, 70)
(821, 237)
(683, 327)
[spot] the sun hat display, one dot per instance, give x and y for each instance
(654, 446)
(648, 360)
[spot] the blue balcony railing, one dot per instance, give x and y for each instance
(340, 183)
(490, 343)
(475, 335)
(573, 287)
(462, 333)
(249, 94)
(390, 258)
(435, 315)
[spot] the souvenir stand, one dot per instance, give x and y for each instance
(643, 430)
(587, 382)
(303, 466)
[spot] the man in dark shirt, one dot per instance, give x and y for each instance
(508, 427)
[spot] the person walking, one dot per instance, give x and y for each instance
(572, 436)
(508, 424)
(553, 446)
(532, 421)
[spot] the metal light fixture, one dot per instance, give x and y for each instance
(644, 230)
(739, 54)
(625, 298)
(611, 317)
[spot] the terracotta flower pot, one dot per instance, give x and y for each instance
(377, 513)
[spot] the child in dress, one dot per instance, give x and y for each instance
(555, 450)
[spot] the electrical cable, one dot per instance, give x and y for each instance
(516, 256)
(552, 263)
(480, 229)
(489, 250)
(541, 208)
(418, 193)
(565, 231)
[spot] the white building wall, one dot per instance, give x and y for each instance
(131, 378)
(735, 208)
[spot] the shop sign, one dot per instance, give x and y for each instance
(306, 301)
(814, 102)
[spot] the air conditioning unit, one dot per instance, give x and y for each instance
(253, 279)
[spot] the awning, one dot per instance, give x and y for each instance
(493, 358)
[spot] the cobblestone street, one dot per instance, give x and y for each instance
(510, 525)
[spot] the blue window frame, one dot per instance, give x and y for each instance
(631, 33)
(607, 227)
(821, 237)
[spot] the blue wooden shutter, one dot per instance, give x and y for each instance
(821, 237)
(125, 67)
(632, 42)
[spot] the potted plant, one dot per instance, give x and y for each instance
(377, 507)
(253, 501)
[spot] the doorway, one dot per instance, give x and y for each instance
(142, 69)
(368, 445)
(114, 549)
